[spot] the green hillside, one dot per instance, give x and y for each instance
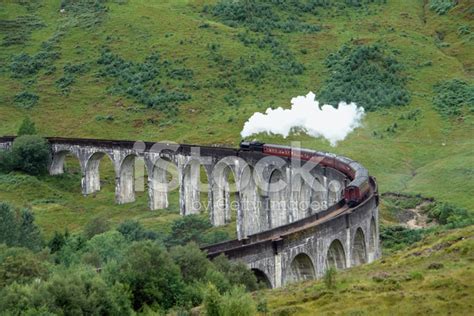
(194, 71)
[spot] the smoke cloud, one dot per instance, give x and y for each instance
(334, 124)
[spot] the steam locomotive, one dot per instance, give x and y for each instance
(354, 193)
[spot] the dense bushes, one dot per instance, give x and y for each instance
(452, 96)
(399, 237)
(87, 13)
(364, 74)
(442, 6)
(26, 100)
(17, 228)
(450, 215)
(18, 31)
(29, 153)
(142, 81)
(136, 273)
(261, 16)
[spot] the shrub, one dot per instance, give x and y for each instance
(21, 266)
(71, 292)
(364, 74)
(134, 231)
(236, 272)
(237, 302)
(397, 237)
(192, 262)
(187, 229)
(27, 127)
(212, 301)
(96, 226)
(330, 277)
(30, 154)
(18, 228)
(151, 274)
(442, 6)
(452, 96)
(451, 215)
(26, 99)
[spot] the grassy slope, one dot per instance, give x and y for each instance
(433, 156)
(400, 284)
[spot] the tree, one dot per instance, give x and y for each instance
(187, 229)
(151, 275)
(31, 154)
(134, 231)
(236, 272)
(29, 234)
(96, 226)
(8, 225)
(20, 265)
(237, 302)
(27, 127)
(212, 301)
(192, 261)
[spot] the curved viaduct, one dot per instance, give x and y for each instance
(291, 234)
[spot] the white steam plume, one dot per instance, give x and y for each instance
(334, 124)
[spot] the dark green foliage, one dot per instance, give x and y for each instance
(143, 81)
(17, 228)
(26, 100)
(134, 231)
(442, 6)
(18, 31)
(366, 75)
(96, 226)
(89, 13)
(151, 274)
(20, 265)
(29, 235)
(450, 215)
(71, 71)
(24, 65)
(187, 229)
(72, 292)
(30, 154)
(236, 272)
(261, 16)
(58, 241)
(234, 302)
(399, 237)
(453, 96)
(192, 262)
(27, 127)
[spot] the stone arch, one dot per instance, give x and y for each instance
(336, 256)
(162, 177)
(372, 245)
(192, 187)
(59, 161)
(225, 191)
(318, 201)
(334, 191)
(125, 192)
(358, 251)
(301, 192)
(253, 218)
(262, 278)
(277, 199)
(301, 268)
(91, 179)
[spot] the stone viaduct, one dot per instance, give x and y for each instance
(291, 234)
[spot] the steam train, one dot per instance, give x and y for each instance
(354, 193)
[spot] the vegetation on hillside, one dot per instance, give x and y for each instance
(365, 75)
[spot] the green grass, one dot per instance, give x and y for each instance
(432, 155)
